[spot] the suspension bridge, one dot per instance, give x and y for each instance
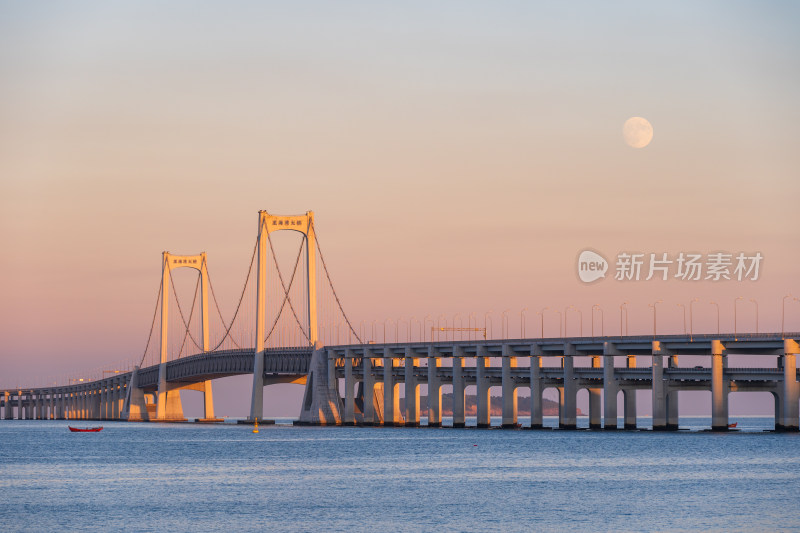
(304, 336)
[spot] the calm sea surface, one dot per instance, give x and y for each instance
(190, 477)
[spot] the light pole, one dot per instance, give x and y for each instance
(715, 303)
(469, 320)
(504, 323)
(384, 329)
(439, 327)
(755, 302)
(485, 318)
(560, 333)
(373, 329)
(410, 322)
(623, 306)
(602, 320)
(653, 305)
(425, 325)
(735, 325)
(684, 316)
(397, 330)
(566, 330)
(783, 314)
(691, 319)
(460, 333)
(360, 329)
(522, 318)
(541, 314)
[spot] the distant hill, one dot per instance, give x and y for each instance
(549, 407)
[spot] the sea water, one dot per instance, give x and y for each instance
(194, 477)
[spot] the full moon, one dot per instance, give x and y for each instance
(637, 132)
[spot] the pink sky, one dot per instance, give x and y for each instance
(458, 158)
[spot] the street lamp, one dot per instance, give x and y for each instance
(485, 318)
(566, 330)
(602, 320)
(783, 314)
(541, 315)
(715, 303)
(373, 329)
(469, 325)
(410, 322)
(384, 329)
(522, 318)
(755, 302)
(623, 306)
(684, 316)
(425, 325)
(504, 323)
(460, 333)
(560, 333)
(439, 327)
(691, 319)
(735, 328)
(653, 305)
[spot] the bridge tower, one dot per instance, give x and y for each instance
(168, 405)
(267, 224)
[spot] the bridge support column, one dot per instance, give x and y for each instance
(595, 395)
(719, 387)
(658, 392)
(459, 420)
(321, 403)
(484, 399)
(536, 387)
(509, 389)
(568, 413)
(412, 389)
(114, 399)
(134, 408)
(434, 388)
(629, 398)
(372, 403)
(208, 401)
(349, 389)
(9, 408)
(391, 399)
(790, 419)
(672, 398)
(610, 386)
(105, 401)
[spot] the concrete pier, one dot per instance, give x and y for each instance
(411, 389)
(459, 387)
(509, 389)
(434, 388)
(719, 388)
(484, 399)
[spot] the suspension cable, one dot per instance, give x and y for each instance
(153, 324)
(333, 290)
(191, 313)
(241, 298)
(286, 297)
(216, 304)
(180, 311)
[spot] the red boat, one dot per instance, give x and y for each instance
(86, 430)
(731, 426)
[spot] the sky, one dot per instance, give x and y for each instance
(458, 157)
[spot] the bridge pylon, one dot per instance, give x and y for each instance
(267, 224)
(168, 400)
